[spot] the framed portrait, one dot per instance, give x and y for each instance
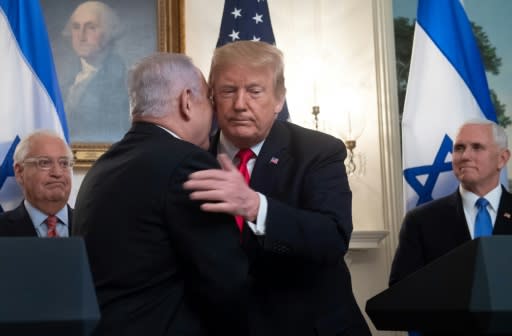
(94, 43)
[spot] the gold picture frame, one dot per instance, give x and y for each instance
(171, 38)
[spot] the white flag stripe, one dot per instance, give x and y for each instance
(435, 91)
(25, 104)
(21, 92)
(437, 102)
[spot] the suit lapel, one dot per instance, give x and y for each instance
(273, 162)
(460, 230)
(503, 223)
(70, 220)
(21, 223)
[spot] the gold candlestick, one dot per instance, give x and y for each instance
(316, 112)
(351, 165)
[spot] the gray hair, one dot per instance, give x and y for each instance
(498, 132)
(156, 82)
(109, 19)
(23, 148)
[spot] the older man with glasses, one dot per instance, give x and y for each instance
(43, 168)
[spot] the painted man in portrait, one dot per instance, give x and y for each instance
(94, 88)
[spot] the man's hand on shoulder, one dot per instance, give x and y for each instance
(224, 190)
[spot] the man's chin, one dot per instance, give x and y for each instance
(242, 125)
(468, 182)
(57, 196)
(242, 133)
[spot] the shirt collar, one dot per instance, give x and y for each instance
(226, 147)
(469, 198)
(170, 132)
(86, 67)
(39, 217)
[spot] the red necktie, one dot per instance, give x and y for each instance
(51, 222)
(244, 155)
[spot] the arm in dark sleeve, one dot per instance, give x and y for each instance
(214, 264)
(409, 256)
(318, 224)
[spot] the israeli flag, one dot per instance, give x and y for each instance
(446, 87)
(29, 92)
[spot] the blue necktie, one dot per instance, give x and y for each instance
(483, 224)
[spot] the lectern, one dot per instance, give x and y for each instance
(465, 292)
(46, 287)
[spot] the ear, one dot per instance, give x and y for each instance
(504, 157)
(279, 104)
(185, 104)
(19, 173)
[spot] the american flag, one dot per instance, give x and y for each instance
(248, 20)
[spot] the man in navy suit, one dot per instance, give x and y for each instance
(296, 211)
(160, 265)
(431, 230)
(43, 164)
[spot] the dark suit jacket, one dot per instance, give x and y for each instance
(17, 223)
(300, 283)
(160, 265)
(433, 229)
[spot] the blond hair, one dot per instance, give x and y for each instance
(253, 54)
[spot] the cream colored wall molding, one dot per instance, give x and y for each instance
(389, 132)
(368, 239)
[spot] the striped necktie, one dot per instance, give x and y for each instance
(51, 222)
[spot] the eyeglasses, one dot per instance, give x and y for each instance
(46, 163)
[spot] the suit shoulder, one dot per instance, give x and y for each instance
(435, 206)
(149, 142)
(184, 156)
(13, 214)
(4, 217)
(506, 195)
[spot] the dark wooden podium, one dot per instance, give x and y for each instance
(465, 292)
(46, 287)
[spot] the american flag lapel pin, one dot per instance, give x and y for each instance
(274, 160)
(507, 215)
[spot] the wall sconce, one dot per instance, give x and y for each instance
(350, 131)
(315, 113)
(350, 165)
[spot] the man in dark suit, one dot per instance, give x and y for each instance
(433, 229)
(160, 265)
(42, 166)
(296, 214)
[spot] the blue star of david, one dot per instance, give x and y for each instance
(6, 169)
(433, 171)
